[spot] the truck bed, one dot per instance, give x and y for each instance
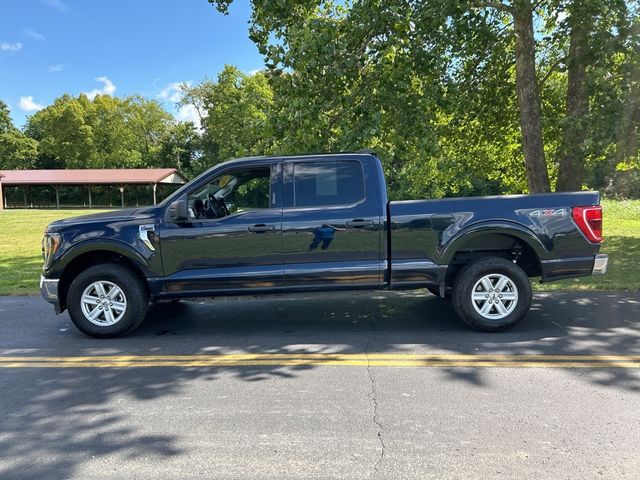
(425, 235)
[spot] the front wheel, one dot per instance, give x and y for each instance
(491, 294)
(107, 300)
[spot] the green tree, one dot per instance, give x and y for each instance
(500, 74)
(106, 132)
(597, 31)
(235, 112)
(182, 149)
(17, 151)
(368, 34)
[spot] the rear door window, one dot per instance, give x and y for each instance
(326, 183)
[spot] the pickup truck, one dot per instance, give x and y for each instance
(265, 225)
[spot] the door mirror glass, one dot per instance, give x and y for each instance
(178, 211)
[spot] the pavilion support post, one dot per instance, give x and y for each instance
(24, 193)
(109, 193)
(57, 188)
(135, 194)
(122, 195)
(154, 193)
(1, 197)
(90, 201)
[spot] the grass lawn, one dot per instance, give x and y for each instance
(20, 247)
(621, 224)
(21, 258)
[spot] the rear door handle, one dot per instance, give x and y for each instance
(359, 223)
(261, 228)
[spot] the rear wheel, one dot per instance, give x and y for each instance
(492, 294)
(107, 300)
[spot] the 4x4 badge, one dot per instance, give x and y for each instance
(549, 212)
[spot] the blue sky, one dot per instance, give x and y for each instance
(119, 47)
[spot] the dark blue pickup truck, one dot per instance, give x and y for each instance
(316, 222)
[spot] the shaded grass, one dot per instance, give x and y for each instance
(21, 258)
(622, 242)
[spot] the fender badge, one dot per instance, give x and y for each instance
(549, 212)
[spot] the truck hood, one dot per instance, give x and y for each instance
(103, 217)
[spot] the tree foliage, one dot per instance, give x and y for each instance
(235, 113)
(457, 98)
(16, 149)
(106, 132)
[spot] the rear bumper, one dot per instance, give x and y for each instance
(600, 264)
(49, 291)
(573, 267)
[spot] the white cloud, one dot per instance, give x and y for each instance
(33, 34)
(562, 16)
(108, 88)
(57, 4)
(29, 105)
(254, 71)
(173, 91)
(188, 113)
(10, 47)
(56, 68)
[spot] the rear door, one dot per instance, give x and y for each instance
(332, 225)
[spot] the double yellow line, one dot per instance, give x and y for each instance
(319, 359)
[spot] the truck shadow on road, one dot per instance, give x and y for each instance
(589, 323)
(67, 416)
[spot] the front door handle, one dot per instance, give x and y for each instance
(261, 228)
(359, 223)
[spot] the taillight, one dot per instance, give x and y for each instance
(589, 221)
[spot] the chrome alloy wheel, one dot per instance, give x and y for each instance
(494, 296)
(103, 303)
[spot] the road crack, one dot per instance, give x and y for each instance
(376, 419)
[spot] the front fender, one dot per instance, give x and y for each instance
(106, 245)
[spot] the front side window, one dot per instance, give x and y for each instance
(321, 184)
(230, 193)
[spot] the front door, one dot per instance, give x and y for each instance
(332, 225)
(233, 239)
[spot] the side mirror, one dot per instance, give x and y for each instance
(178, 211)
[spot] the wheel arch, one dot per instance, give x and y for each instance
(507, 240)
(85, 255)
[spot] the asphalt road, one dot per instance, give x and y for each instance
(311, 387)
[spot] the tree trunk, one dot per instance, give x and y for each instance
(627, 145)
(571, 167)
(529, 98)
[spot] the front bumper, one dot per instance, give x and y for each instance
(49, 291)
(600, 264)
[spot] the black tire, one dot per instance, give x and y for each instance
(132, 287)
(471, 274)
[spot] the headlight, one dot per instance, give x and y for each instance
(50, 245)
